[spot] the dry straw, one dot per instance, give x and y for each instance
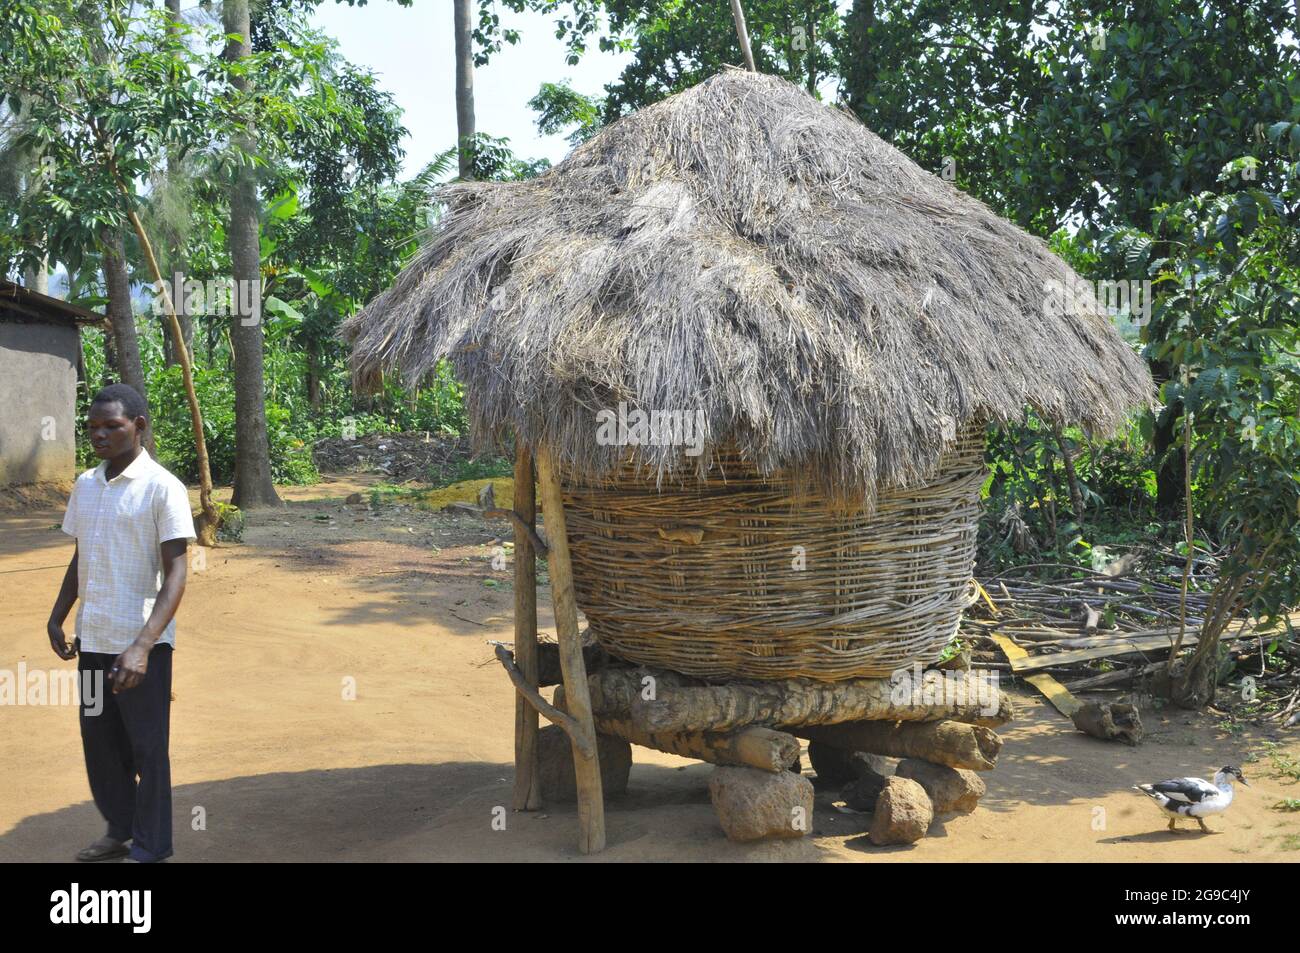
(744, 250)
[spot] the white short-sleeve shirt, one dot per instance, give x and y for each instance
(120, 525)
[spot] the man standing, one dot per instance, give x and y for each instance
(132, 522)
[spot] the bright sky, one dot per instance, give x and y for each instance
(412, 51)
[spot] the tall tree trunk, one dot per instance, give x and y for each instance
(175, 248)
(859, 66)
(1169, 473)
(37, 279)
(313, 378)
(253, 486)
(742, 35)
(1170, 486)
(111, 374)
(1071, 476)
(464, 87)
(118, 283)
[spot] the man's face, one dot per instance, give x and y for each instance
(112, 433)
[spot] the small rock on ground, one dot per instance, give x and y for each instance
(950, 789)
(753, 804)
(903, 813)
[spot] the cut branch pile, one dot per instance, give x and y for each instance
(1109, 630)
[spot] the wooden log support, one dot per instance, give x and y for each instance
(591, 805)
(672, 702)
(751, 747)
(548, 663)
(527, 794)
(557, 716)
(952, 743)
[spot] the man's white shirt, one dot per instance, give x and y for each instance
(120, 525)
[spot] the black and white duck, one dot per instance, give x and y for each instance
(1194, 797)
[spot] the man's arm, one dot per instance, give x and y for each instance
(59, 614)
(130, 667)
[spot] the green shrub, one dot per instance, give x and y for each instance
(290, 454)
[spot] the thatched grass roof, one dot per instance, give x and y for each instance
(744, 250)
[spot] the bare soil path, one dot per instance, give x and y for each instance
(277, 763)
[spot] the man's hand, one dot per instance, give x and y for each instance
(59, 642)
(59, 614)
(129, 668)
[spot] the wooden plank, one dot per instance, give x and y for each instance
(527, 793)
(1111, 649)
(1051, 689)
(577, 694)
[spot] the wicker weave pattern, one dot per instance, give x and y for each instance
(877, 593)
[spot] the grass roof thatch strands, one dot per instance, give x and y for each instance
(744, 251)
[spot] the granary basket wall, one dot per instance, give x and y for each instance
(782, 582)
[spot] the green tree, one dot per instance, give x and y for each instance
(1231, 280)
(253, 486)
(101, 95)
(559, 107)
(677, 45)
(1079, 114)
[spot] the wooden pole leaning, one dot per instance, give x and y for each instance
(527, 794)
(742, 34)
(577, 695)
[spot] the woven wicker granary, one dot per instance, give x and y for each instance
(782, 582)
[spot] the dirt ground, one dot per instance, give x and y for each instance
(279, 765)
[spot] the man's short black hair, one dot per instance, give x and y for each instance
(133, 405)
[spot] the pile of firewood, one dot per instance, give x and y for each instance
(1112, 630)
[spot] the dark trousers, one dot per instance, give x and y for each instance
(127, 740)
